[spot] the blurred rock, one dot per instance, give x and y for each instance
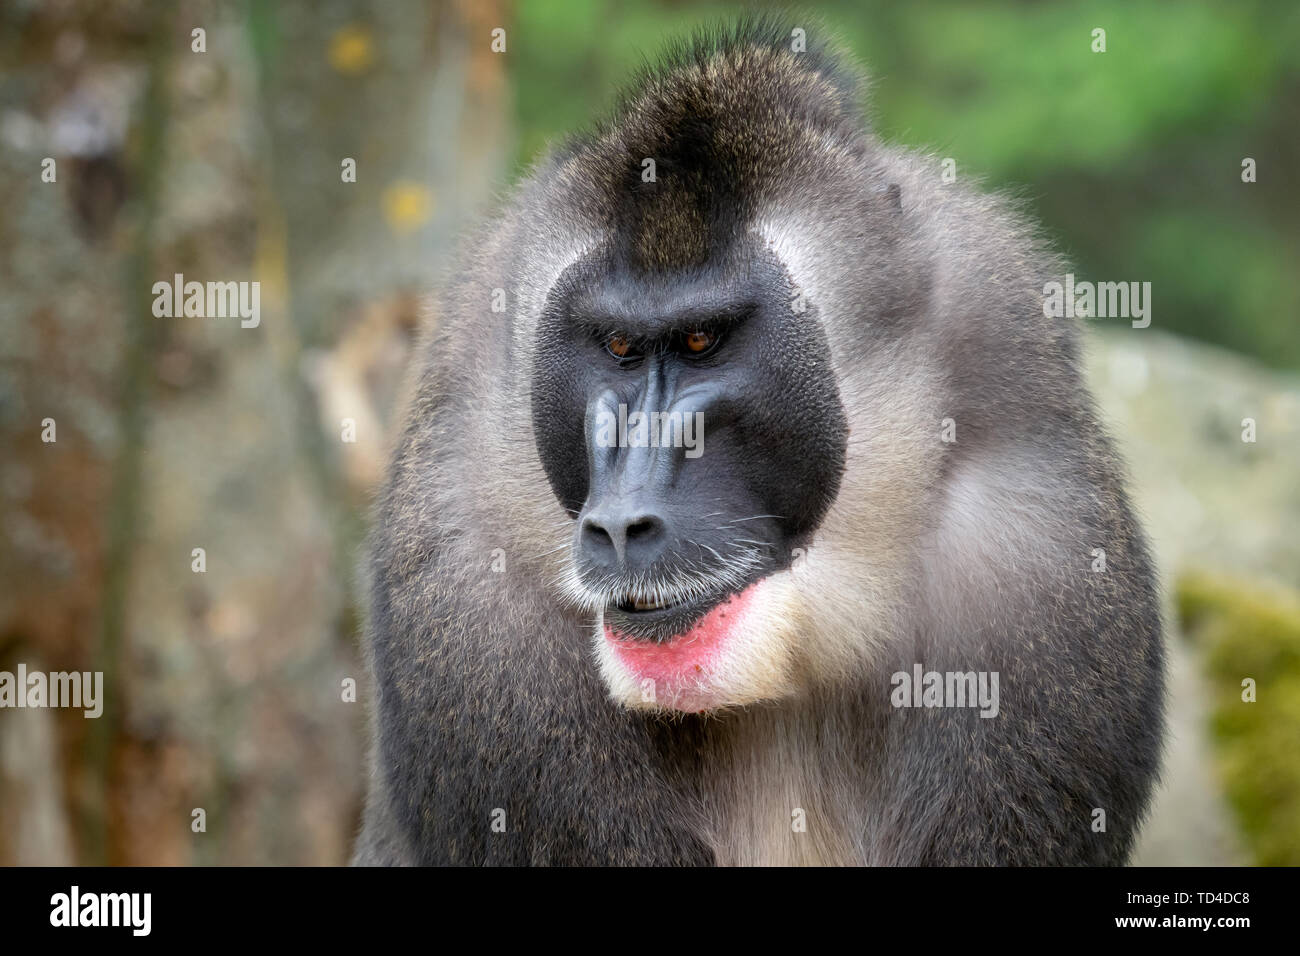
(1209, 501)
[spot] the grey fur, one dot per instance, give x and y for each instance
(973, 555)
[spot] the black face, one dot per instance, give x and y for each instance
(693, 427)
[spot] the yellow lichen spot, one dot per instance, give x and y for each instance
(407, 206)
(352, 49)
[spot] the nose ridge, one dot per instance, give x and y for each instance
(633, 532)
(601, 458)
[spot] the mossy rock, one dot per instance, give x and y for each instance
(1249, 631)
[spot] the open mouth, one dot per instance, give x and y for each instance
(657, 618)
(665, 609)
(662, 613)
(631, 604)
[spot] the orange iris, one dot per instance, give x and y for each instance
(699, 341)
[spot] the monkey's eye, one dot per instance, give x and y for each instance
(620, 347)
(700, 342)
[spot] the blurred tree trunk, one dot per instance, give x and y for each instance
(182, 433)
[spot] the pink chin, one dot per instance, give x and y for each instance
(686, 659)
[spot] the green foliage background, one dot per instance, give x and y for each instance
(1131, 158)
(1249, 631)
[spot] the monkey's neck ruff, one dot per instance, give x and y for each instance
(682, 671)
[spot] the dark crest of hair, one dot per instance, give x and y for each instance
(724, 115)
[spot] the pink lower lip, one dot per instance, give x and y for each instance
(686, 655)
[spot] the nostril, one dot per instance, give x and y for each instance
(644, 527)
(596, 532)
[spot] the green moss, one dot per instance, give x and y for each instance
(1251, 632)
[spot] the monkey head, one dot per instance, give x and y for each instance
(686, 398)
